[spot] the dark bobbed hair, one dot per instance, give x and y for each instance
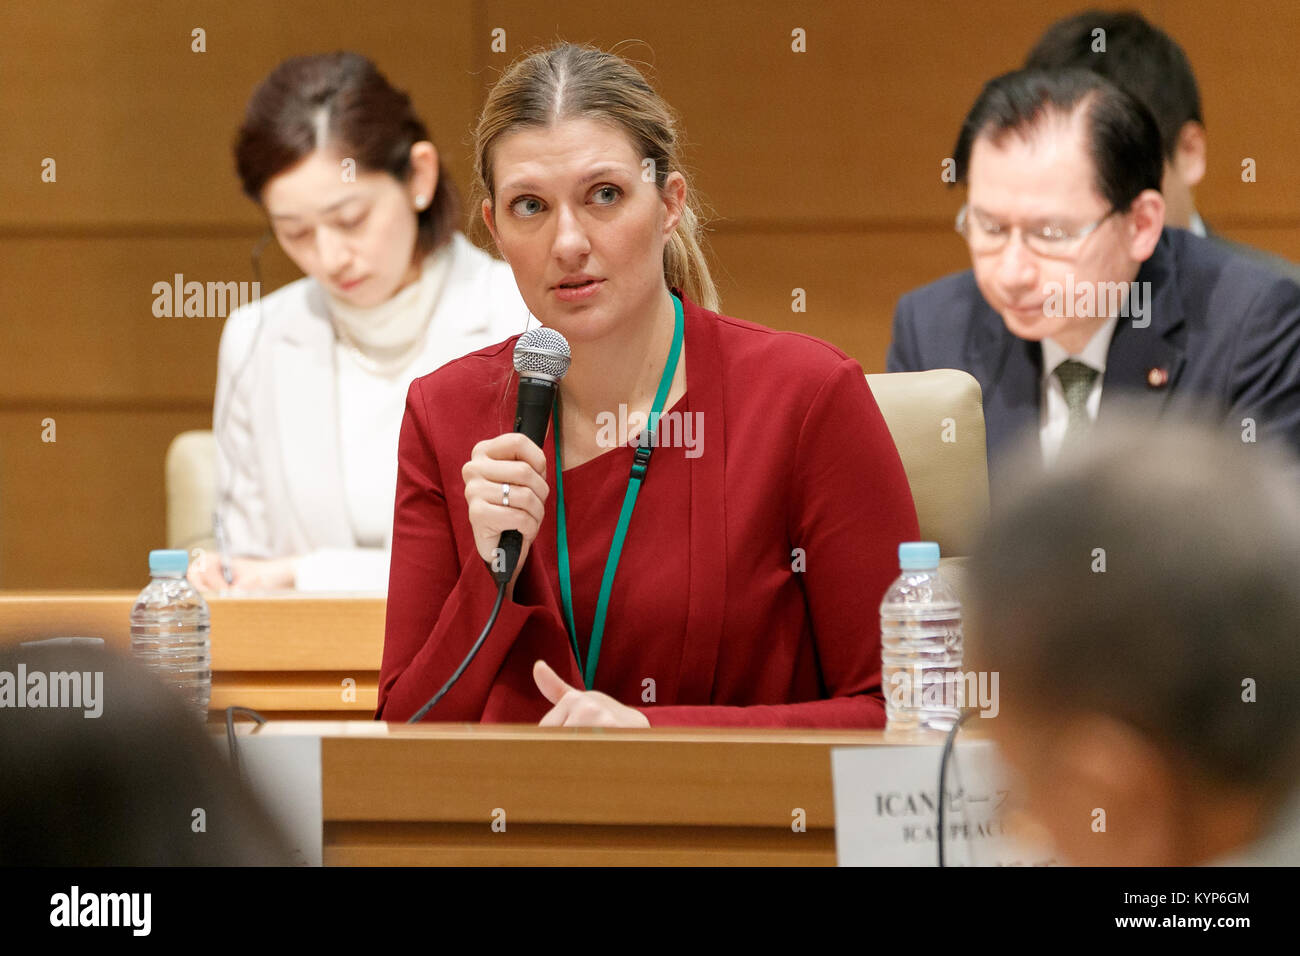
(1123, 140)
(1140, 59)
(120, 789)
(1201, 540)
(364, 118)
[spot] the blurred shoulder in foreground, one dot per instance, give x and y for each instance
(1140, 604)
(103, 766)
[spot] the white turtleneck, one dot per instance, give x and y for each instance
(371, 394)
(393, 329)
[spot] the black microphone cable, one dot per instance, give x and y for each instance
(502, 581)
(541, 358)
(943, 771)
(231, 737)
(492, 619)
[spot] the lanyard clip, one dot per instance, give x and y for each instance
(641, 461)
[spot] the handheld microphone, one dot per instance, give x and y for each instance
(541, 359)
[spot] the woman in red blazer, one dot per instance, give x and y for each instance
(768, 519)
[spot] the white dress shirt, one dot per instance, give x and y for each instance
(1055, 412)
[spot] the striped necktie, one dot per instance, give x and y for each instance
(1076, 379)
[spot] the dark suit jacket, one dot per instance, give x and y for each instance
(1224, 329)
(1267, 259)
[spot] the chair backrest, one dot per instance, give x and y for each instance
(937, 421)
(191, 482)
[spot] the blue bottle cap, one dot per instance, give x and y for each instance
(918, 556)
(165, 561)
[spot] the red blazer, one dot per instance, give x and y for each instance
(754, 565)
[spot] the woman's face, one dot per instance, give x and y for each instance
(582, 224)
(355, 234)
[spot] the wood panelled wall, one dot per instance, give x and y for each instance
(821, 168)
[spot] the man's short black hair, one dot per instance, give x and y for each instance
(1123, 140)
(1139, 58)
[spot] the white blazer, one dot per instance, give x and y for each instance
(280, 487)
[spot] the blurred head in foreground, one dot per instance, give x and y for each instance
(1142, 608)
(115, 781)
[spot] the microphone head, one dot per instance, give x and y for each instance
(542, 353)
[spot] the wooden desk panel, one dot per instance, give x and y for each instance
(464, 844)
(393, 794)
(400, 795)
(285, 654)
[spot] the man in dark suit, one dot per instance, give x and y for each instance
(1079, 297)
(1145, 62)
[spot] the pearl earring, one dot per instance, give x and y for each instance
(421, 201)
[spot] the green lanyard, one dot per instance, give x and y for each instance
(640, 463)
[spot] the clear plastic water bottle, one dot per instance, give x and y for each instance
(170, 629)
(920, 644)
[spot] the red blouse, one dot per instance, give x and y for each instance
(754, 565)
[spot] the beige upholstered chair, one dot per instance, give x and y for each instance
(935, 417)
(937, 420)
(191, 482)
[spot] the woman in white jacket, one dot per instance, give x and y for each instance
(312, 379)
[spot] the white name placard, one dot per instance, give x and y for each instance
(284, 772)
(887, 803)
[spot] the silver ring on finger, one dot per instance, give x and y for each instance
(505, 495)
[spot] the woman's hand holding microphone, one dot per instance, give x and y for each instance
(506, 490)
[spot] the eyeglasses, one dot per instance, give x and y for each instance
(1050, 241)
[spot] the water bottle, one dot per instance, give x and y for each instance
(169, 630)
(920, 644)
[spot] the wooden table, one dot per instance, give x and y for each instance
(429, 794)
(394, 794)
(284, 654)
